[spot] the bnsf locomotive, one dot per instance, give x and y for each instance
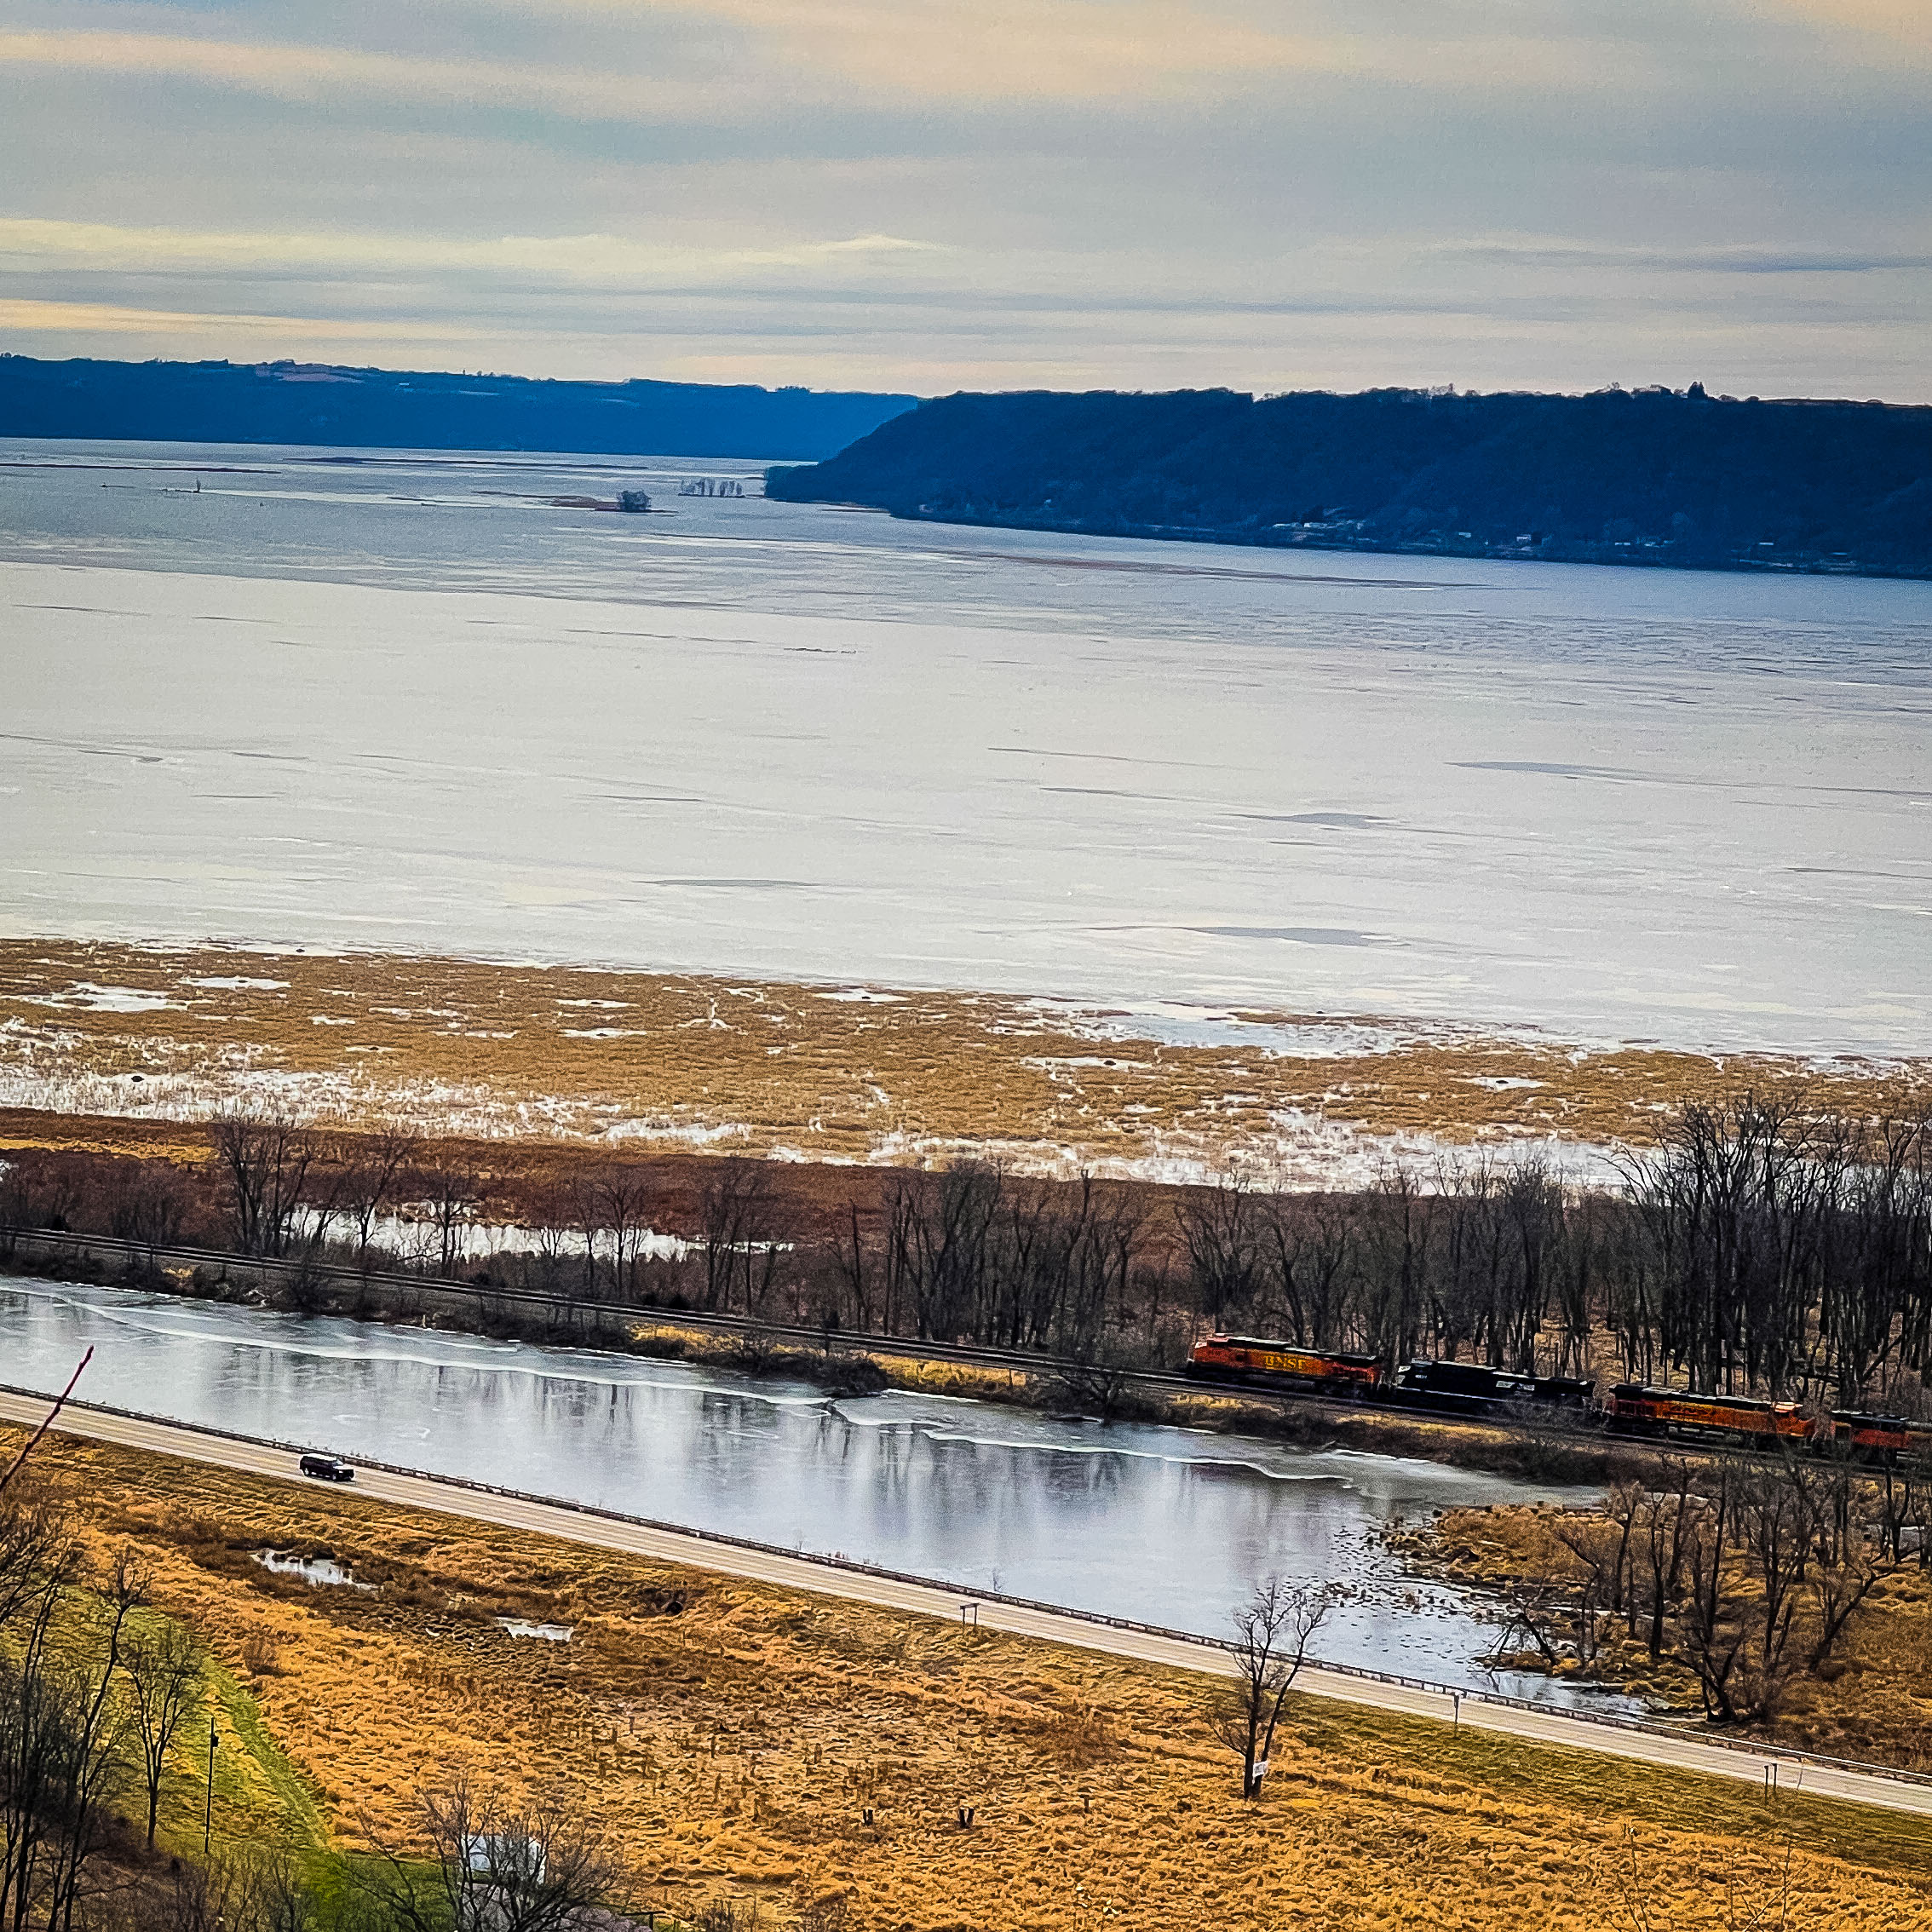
(1240, 1358)
(1879, 1437)
(1634, 1410)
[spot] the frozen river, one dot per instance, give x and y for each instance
(403, 702)
(1165, 1526)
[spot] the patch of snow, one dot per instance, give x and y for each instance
(522, 1627)
(322, 1572)
(104, 999)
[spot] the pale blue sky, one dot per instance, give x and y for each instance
(931, 194)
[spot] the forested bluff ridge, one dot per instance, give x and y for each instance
(352, 408)
(1646, 477)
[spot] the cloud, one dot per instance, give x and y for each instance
(1733, 259)
(291, 71)
(595, 260)
(843, 54)
(1902, 26)
(1029, 49)
(95, 317)
(933, 193)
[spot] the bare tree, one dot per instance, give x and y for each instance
(622, 1203)
(163, 1673)
(498, 1868)
(35, 1544)
(453, 1194)
(739, 1255)
(1100, 1375)
(374, 1173)
(234, 1895)
(1272, 1633)
(149, 1204)
(83, 1767)
(266, 1158)
(1218, 1231)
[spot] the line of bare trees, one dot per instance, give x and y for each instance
(1763, 1247)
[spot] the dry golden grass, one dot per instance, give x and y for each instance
(470, 1048)
(732, 1738)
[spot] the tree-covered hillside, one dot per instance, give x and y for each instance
(1649, 476)
(295, 402)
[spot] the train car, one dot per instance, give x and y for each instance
(1869, 1437)
(1459, 1388)
(1875, 1439)
(1243, 1357)
(1469, 1388)
(1565, 1391)
(1638, 1410)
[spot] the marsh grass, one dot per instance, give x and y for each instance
(665, 1063)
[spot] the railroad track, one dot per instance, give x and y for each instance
(485, 1297)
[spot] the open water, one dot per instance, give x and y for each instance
(400, 700)
(1165, 1526)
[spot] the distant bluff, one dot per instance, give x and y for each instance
(350, 408)
(1648, 476)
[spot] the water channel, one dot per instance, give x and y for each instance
(1167, 1526)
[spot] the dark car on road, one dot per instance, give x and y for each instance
(326, 1469)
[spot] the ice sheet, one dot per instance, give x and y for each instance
(775, 740)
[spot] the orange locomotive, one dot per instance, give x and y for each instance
(1670, 1411)
(1241, 1357)
(1874, 1438)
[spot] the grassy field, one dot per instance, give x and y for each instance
(732, 1738)
(470, 1048)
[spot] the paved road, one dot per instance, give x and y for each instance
(795, 1573)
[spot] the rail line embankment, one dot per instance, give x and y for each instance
(843, 1361)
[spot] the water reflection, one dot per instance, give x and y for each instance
(1165, 1525)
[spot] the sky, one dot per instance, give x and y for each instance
(928, 195)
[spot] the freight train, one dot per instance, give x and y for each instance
(1467, 1388)
(1463, 1388)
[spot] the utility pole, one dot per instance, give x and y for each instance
(208, 1814)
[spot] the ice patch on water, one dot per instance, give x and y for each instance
(85, 994)
(332, 1339)
(522, 1627)
(693, 1134)
(321, 1571)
